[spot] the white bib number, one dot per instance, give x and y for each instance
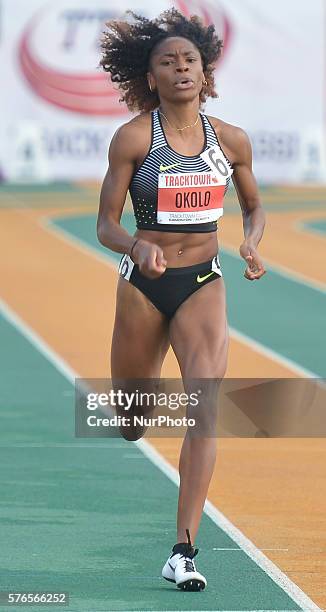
(215, 159)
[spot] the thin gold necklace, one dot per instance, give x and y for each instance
(179, 129)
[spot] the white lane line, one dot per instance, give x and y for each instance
(49, 225)
(273, 355)
(291, 589)
(262, 549)
(260, 348)
(61, 365)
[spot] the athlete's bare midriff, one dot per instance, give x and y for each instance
(180, 249)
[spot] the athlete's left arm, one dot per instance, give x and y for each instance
(252, 212)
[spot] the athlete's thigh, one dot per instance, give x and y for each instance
(140, 336)
(199, 332)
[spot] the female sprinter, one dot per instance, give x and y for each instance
(176, 163)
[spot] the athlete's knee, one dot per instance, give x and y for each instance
(211, 366)
(202, 410)
(219, 366)
(219, 358)
(208, 357)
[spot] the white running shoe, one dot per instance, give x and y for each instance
(180, 568)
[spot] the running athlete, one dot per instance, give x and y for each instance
(176, 163)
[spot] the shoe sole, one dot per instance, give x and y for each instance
(192, 585)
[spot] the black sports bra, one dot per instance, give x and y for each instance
(171, 192)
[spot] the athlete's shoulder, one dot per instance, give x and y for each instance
(133, 127)
(232, 137)
(130, 135)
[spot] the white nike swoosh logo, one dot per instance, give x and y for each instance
(163, 168)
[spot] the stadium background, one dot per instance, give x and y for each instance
(70, 506)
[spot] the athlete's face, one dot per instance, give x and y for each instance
(176, 70)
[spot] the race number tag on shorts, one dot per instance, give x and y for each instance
(126, 266)
(194, 197)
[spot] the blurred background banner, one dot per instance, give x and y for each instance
(59, 109)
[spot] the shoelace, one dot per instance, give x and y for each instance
(189, 565)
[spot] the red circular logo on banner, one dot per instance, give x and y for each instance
(69, 30)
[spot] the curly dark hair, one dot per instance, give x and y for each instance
(127, 47)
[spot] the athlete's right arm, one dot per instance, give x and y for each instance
(122, 158)
(113, 193)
